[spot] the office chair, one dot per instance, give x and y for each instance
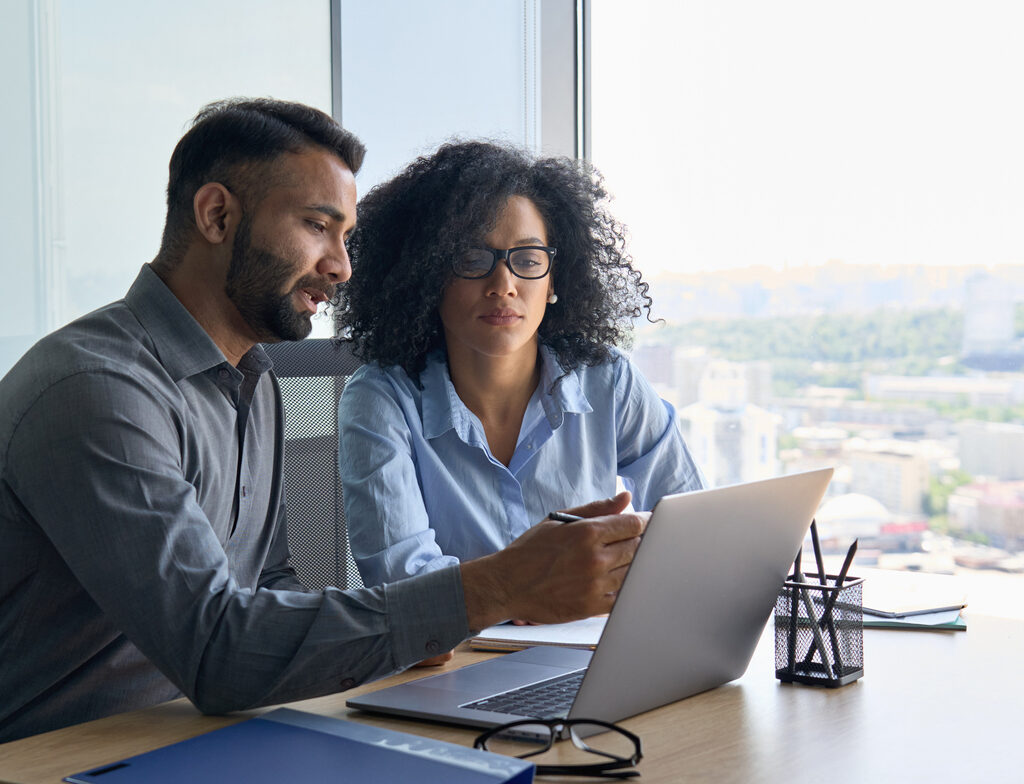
(312, 374)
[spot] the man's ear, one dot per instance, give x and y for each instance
(217, 212)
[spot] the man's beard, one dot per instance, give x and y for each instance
(255, 281)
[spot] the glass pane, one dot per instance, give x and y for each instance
(825, 198)
(610, 744)
(520, 741)
(415, 75)
(162, 68)
(475, 262)
(529, 262)
(104, 93)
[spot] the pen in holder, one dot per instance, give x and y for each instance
(819, 630)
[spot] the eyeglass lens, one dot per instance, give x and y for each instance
(525, 262)
(521, 741)
(600, 740)
(529, 739)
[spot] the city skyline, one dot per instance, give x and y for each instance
(835, 286)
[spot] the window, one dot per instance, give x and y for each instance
(826, 199)
(101, 93)
(415, 75)
(105, 92)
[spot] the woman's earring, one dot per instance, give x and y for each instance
(552, 299)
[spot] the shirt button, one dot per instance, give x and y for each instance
(224, 374)
(348, 683)
(433, 647)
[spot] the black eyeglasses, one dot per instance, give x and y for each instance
(528, 737)
(529, 262)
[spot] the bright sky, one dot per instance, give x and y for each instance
(790, 132)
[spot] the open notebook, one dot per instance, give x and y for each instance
(508, 637)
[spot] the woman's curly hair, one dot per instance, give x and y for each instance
(411, 227)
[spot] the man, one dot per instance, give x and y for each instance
(144, 550)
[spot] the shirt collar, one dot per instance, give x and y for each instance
(562, 391)
(183, 346)
(443, 410)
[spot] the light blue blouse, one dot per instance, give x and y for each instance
(422, 489)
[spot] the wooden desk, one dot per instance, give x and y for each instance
(932, 707)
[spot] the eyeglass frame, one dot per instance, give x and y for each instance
(561, 728)
(505, 255)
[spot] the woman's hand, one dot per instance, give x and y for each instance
(436, 661)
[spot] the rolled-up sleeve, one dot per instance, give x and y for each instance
(388, 523)
(653, 459)
(123, 515)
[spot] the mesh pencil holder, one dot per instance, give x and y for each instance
(819, 631)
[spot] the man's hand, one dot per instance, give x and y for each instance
(556, 572)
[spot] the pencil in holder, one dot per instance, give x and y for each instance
(819, 631)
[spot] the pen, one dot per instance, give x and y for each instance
(818, 560)
(563, 517)
(823, 580)
(846, 564)
(827, 614)
(794, 610)
(818, 643)
(840, 579)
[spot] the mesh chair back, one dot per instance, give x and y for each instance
(312, 374)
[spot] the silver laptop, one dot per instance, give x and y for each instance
(688, 617)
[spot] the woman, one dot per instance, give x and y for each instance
(489, 287)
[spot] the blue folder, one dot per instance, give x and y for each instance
(289, 745)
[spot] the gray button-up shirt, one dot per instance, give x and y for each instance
(143, 551)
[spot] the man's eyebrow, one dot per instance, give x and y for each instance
(331, 212)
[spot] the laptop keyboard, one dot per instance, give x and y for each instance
(549, 699)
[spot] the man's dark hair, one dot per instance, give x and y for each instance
(412, 227)
(230, 142)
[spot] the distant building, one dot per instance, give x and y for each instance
(818, 447)
(731, 446)
(894, 473)
(856, 516)
(1006, 389)
(724, 386)
(903, 537)
(690, 363)
(657, 362)
(995, 509)
(759, 383)
(821, 441)
(992, 449)
(837, 411)
(681, 371)
(988, 316)
(732, 440)
(674, 369)
(852, 516)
